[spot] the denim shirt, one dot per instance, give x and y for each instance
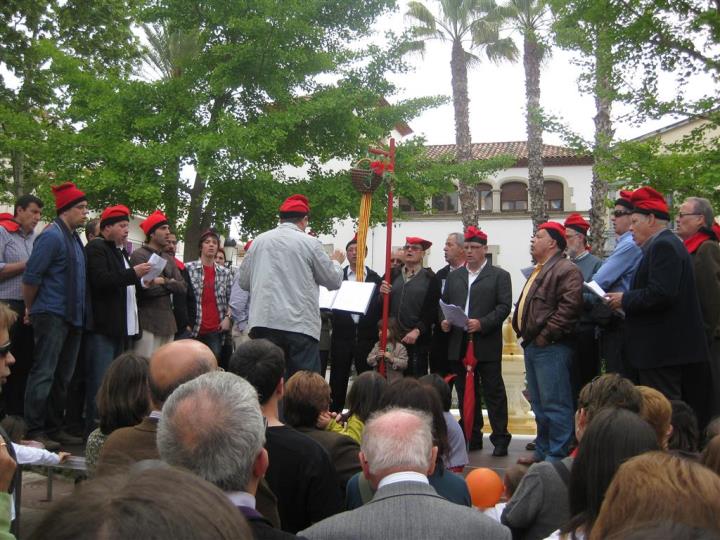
(616, 273)
(46, 268)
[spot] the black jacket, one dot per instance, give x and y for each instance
(663, 322)
(343, 326)
(108, 280)
(490, 303)
(401, 306)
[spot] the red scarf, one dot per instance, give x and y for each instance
(8, 222)
(693, 243)
(179, 264)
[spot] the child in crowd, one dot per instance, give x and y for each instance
(29, 452)
(457, 457)
(363, 400)
(512, 478)
(396, 357)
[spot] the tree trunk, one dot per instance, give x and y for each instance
(18, 168)
(604, 92)
(193, 227)
(536, 185)
(466, 188)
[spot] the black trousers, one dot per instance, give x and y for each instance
(690, 383)
(418, 356)
(439, 352)
(488, 377)
(343, 353)
(21, 336)
(612, 350)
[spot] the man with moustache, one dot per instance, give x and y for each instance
(17, 235)
(54, 290)
(155, 311)
(485, 292)
(544, 319)
(414, 294)
(113, 284)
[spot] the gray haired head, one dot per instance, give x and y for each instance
(212, 426)
(458, 238)
(703, 207)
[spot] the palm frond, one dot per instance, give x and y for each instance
(419, 13)
(502, 49)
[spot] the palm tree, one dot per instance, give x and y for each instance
(530, 19)
(469, 25)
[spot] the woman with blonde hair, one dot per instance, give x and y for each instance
(655, 486)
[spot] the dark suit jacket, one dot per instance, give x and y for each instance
(706, 262)
(490, 302)
(342, 449)
(261, 528)
(108, 280)
(343, 326)
(663, 324)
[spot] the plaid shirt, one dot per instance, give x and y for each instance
(14, 247)
(223, 284)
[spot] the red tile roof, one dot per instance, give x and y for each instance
(552, 155)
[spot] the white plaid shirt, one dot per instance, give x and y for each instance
(223, 284)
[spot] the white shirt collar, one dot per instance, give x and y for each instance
(407, 476)
(157, 415)
(241, 498)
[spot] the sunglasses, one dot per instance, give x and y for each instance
(412, 248)
(5, 349)
(621, 213)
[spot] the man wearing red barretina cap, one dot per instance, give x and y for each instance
(485, 292)
(544, 320)
(414, 296)
(54, 291)
(282, 272)
(586, 360)
(155, 311)
(666, 341)
(17, 235)
(615, 275)
(113, 283)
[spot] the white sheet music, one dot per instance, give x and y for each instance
(455, 315)
(158, 265)
(352, 296)
(597, 289)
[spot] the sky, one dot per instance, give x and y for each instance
(497, 95)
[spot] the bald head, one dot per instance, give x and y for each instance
(176, 363)
(398, 440)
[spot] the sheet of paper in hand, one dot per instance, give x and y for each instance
(352, 296)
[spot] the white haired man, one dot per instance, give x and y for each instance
(397, 455)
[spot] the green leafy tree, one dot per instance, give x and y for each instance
(530, 19)
(37, 36)
(469, 26)
(265, 85)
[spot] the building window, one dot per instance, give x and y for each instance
(405, 205)
(514, 197)
(485, 197)
(445, 203)
(554, 197)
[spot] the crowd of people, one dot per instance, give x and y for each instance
(207, 412)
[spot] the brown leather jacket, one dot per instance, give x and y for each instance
(554, 302)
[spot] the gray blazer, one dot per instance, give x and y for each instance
(412, 511)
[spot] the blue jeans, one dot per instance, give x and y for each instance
(548, 378)
(214, 340)
(100, 351)
(54, 356)
(301, 352)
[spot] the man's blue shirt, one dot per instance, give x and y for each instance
(615, 275)
(47, 268)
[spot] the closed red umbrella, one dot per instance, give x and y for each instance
(469, 395)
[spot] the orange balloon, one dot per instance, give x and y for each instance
(485, 487)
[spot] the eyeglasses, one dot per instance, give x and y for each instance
(683, 214)
(412, 248)
(5, 349)
(621, 213)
